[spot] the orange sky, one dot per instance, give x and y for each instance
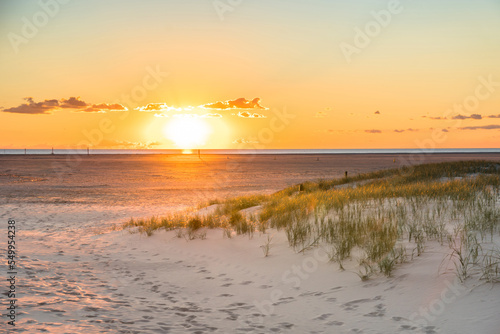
(366, 74)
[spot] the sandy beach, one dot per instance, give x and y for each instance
(78, 275)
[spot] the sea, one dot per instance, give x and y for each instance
(249, 151)
(149, 178)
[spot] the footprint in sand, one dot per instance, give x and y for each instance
(323, 316)
(353, 305)
(335, 323)
(379, 311)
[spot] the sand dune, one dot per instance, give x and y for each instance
(74, 281)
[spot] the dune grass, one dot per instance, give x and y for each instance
(382, 219)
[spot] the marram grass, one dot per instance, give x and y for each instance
(385, 217)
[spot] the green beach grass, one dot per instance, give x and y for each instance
(380, 219)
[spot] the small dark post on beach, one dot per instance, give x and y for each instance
(88, 151)
(301, 187)
(346, 174)
(24, 151)
(199, 153)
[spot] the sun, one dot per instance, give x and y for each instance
(187, 133)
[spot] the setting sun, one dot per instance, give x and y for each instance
(187, 133)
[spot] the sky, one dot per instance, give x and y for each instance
(260, 74)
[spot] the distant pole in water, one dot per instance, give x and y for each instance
(88, 151)
(346, 174)
(199, 153)
(52, 150)
(24, 151)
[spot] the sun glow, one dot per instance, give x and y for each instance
(187, 133)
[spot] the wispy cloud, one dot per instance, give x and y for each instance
(472, 116)
(150, 107)
(240, 103)
(373, 131)
(404, 130)
(246, 114)
(483, 127)
(494, 116)
(377, 112)
(74, 103)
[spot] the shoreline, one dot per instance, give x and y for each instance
(256, 154)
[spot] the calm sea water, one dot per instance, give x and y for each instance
(270, 151)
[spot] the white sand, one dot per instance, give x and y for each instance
(73, 281)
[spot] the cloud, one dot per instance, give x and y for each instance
(377, 112)
(246, 114)
(320, 114)
(48, 106)
(160, 115)
(494, 116)
(104, 107)
(33, 107)
(240, 103)
(473, 116)
(403, 130)
(245, 141)
(484, 127)
(373, 131)
(161, 107)
(73, 102)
